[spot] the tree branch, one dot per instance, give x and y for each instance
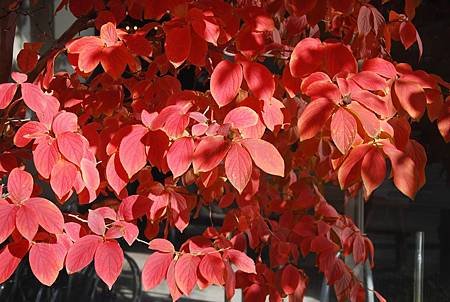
(78, 25)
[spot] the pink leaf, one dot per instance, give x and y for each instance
(272, 114)
(179, 156)
(45, 156)
(27, 132)
(108, 261)
(20, 185)
(46, 260)
(27, 222)
(63, 177)
(265, 156)
(7, 219)
(65, 122)
(171, 282)
(7, 92)
(155, 269)
(96, 223)
(81, 253)
(226, 79)
(186, 273)
(161, 245)
(241, 117)
(90, 174)
(49, 216)
(71, 145)
(238, 167)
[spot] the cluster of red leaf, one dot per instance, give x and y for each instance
(259, 143)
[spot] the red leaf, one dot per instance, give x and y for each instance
(27, 59)
(108, 261)
(314, 117)
(403, 169)
(349, 171)
(46, 260)
(359, 251)
(343, 130)
(369, 80)
(63, 177)
(161, 245)
(209, 153)
(10, 257)
(373, 170)
(205, 26)
(177, 44)
(132, 150)
(133, 207)
(259, 79)
(230, 281)
(155, 269)
(45, 156)
(7, 92)
(48, 214)
(27, 222)
(20, 185)
(212, 268)
(368, 119)
(186, 273)
(115, 174)
(81, 253)
(408, 34)
(71, 145)
(238, 167)
(290, 277)
(382, 67)
(371, 102)
(241, 117)
(306, 57)
(179, 156)
(241, 261)
(411, 97)
(265, 156)
(226, 79)
(339, 58)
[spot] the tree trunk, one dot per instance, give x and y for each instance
(8, 21)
